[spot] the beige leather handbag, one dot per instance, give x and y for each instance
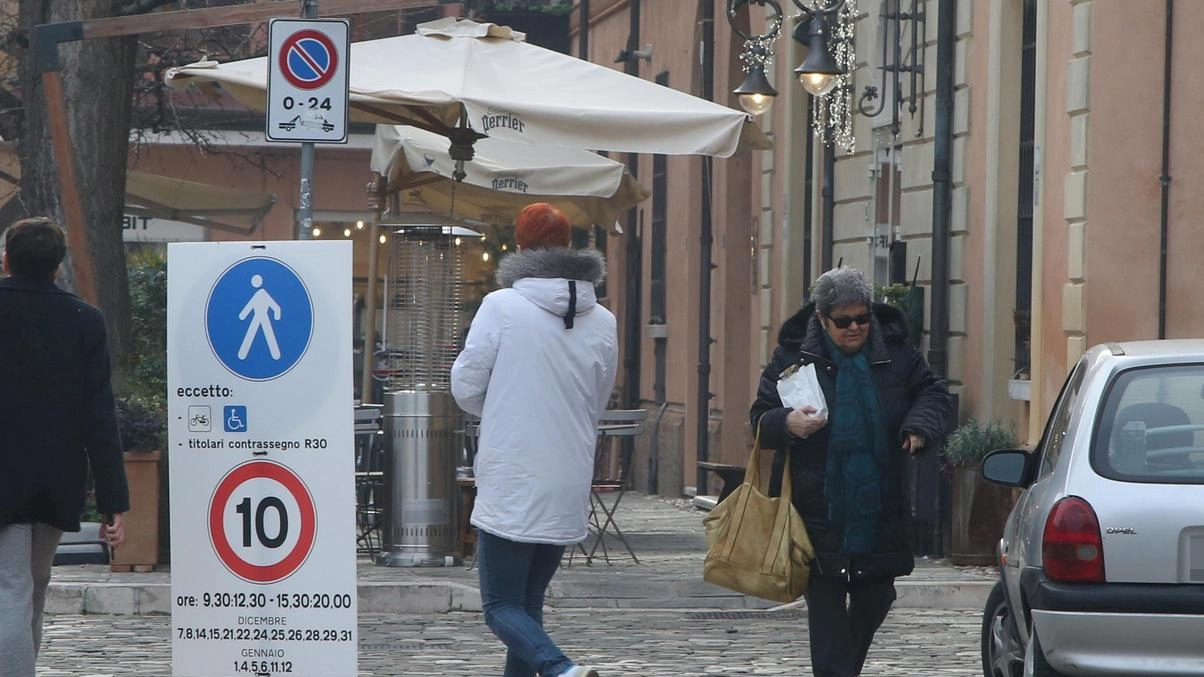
(757, 545)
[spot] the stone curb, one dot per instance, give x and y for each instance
(443, 596)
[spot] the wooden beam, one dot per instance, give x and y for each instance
(212, 17)
(71, 201)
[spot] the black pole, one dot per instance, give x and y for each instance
(633, 301)
(808, 200)
(1165, 178)
(828, 217)
(946, 40)
(583, 30)
(705, 240)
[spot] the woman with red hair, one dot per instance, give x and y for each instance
(538, 366)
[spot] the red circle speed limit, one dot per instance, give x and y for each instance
(262, 521)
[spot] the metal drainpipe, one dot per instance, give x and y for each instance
(583, 30)
(946, 39)
(808, 201)
(1165, 178)
(705, 239)
(633, 301)
(828, 215)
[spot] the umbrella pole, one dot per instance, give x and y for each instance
(376, 200)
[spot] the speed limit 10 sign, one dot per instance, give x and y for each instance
(308, 63)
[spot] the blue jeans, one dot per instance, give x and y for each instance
(514, 577)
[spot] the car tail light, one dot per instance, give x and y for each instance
(1071, 548)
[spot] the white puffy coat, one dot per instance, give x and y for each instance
(539, 387)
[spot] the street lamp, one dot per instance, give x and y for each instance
(756, 94)
(819, 73)
(823, 72)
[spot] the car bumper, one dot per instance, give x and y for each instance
(1120, 628)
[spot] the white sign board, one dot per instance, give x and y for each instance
(308, 62)
(262, 477)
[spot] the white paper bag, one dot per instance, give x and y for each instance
(799, 388)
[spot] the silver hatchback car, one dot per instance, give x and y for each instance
(1102, 558)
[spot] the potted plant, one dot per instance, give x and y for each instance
(979, 508)
(142, 422)
(142, 415)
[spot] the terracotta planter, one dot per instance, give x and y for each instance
(140, 552)
(979, 512)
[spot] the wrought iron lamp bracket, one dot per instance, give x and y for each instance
(897, 62)
(758, 48)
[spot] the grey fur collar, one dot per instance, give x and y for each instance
(557, 262)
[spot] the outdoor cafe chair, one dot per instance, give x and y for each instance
(612, 475)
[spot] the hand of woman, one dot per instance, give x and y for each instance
(804, 422)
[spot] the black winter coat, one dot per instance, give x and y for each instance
(912, 399)
(57, 414)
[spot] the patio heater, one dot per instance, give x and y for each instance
(423, 325)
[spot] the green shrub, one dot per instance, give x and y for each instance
(141, 390)
(972, 441)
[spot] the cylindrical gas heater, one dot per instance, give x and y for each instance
(423, 326)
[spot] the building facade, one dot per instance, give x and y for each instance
(1071, 215)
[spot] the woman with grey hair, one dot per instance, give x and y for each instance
(847, 469)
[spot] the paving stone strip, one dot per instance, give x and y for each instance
(617, 642)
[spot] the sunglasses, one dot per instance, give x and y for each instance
(844, 321)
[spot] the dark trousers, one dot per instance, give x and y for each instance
(842, 617)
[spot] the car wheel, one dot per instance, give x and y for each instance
(1002, 651)
(1041, 667)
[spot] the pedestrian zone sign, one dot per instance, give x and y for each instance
(260, 429)
(308, 63)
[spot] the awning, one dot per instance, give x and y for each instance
(503, 178)
(163, 197)
(509, 90)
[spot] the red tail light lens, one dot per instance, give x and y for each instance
(1071, 548)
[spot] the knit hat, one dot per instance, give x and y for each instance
(540, 225)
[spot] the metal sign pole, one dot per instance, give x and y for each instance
(305, 212)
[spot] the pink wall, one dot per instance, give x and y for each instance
(1055, 162)
(1122, 185)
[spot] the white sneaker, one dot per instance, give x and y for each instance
(579, 671)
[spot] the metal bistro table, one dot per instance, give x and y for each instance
(610, 482)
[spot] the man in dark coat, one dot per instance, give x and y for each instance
(847, 469)
(58, 416)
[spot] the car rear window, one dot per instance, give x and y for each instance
(1152, 426)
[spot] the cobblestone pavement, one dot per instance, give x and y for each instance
(648, 643)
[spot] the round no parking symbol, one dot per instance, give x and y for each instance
(308, 59)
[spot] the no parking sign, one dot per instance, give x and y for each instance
(308, 63)
(262, 477)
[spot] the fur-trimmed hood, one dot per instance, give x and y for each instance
(557, 262)
(559, 280)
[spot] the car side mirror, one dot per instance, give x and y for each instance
(1009, 467)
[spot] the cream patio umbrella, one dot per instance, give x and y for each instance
(205, 205)
(502, 178)
(487, 75)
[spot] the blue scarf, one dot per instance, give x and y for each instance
(857, 452)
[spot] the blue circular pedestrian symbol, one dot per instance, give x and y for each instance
(259, 319)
